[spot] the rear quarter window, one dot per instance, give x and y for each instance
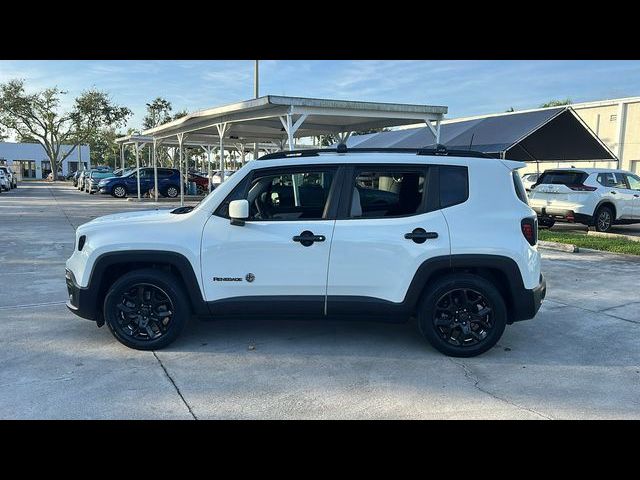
(454, 185)
(520, 190)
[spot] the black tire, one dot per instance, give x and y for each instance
(119, 322)
(490, 328)
(119, 191)
(604, 218)
(172, 191)
(546, 222)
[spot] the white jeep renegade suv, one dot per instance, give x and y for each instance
(446, 237)
(592, 196)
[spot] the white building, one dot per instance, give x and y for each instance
(30, 161)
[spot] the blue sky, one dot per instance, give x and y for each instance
(467, 87)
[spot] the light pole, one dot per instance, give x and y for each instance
(256, 93)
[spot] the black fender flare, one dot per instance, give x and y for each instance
(508, 267)
(145, 258)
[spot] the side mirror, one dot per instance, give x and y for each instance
(238, 211)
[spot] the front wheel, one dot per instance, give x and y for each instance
(119, 191)
(172, 192)
(146, 309)
(604, 219)
(462, 315)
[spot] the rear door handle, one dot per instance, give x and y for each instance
(614, 192)
(307, 238)
(420, 235)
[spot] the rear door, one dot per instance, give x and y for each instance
(387, 227)
(634, 186)
(617, 190)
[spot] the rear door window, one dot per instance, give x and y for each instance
(388, 192)
(606, 179)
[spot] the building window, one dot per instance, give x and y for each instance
(613, 118)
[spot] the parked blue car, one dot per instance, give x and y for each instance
(120, 187)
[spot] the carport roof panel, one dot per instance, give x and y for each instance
(258, 118)
(500, 133)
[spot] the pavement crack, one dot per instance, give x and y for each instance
(175, 386)
(468, 374)
(603, 312)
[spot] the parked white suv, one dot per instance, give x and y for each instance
(5, 184)
(592, 196)
(381, 235)
(11, 177)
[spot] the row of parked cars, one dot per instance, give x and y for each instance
(8, 179)
(124, 182)
(595, 197)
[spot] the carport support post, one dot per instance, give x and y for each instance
(122, 156)
(291, 128)
(222, 130)
(180, 140)
(137, 148)
(207, 149)
(155, 170)
(435, 130)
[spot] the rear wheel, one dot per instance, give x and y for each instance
(604, 218)
(146, 309)
(546, 222)
(462, 315)
(119, 191)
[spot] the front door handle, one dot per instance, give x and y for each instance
(614, 192)
(307, 238)
(420, 235)
(636, 195)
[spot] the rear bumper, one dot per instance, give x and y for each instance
(526, 303)
(81, 301)
(563, 214)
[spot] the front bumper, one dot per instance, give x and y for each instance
(563, 214)
(80, 301)
(528, 302)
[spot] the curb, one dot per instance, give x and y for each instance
(562, 247)
(619, 236)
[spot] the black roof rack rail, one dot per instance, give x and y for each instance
(438, 150)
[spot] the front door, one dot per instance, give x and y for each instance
(390, 230)
(634, 186)
(277, 261)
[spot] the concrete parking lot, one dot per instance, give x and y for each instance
(579, 358)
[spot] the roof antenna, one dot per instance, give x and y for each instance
(471, 142)
(341, 148)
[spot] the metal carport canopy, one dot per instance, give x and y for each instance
(542, 135)
(277, 118)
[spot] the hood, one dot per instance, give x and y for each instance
(128, 218)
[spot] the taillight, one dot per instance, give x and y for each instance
(582, 188)
(529, 228)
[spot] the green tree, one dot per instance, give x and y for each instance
(39, 116)
(180, 114)
(158, 113)
(96, 117)
(556, 103)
